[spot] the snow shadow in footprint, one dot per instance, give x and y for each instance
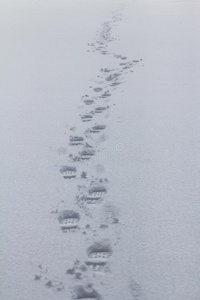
(68, 220)
(97, 128)
(99, 254)
(68, 172)
(105, 95)
(100, 109)
(86, 292)
(88, 102)
(98, 89)
(76, 140)
(95, 194)
(87, 154)
(86, 118)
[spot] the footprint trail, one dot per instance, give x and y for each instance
(91, 214)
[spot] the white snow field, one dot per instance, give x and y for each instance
(137, 212)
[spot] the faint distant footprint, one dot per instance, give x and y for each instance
(110, 213)
(102, 138)
(98, 89)
(136, 290)
(97, 128)
(100, 169)
(62, 151)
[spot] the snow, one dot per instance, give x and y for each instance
(149, 150)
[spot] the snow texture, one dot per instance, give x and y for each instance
(100, 150)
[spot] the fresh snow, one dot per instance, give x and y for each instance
(147, 155)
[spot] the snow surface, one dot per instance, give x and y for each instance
(149, 151)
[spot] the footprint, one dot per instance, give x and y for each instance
(76, 140)
(99, 253)
(100, 109)
(106, 70)
(97, 128)
(86, 293)
(96, 192)
(120, 56)
(87, 153)
(86, 118)
(97, 90)
(117, 56)
(105, 95)
(127, 67)
(68, 172)
(115, 83)
(88, 101)
(68, 220)
(104, 52)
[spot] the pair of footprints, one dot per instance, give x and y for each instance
(69, 219)
(69, 172)
(88, 150)
(89, 116)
